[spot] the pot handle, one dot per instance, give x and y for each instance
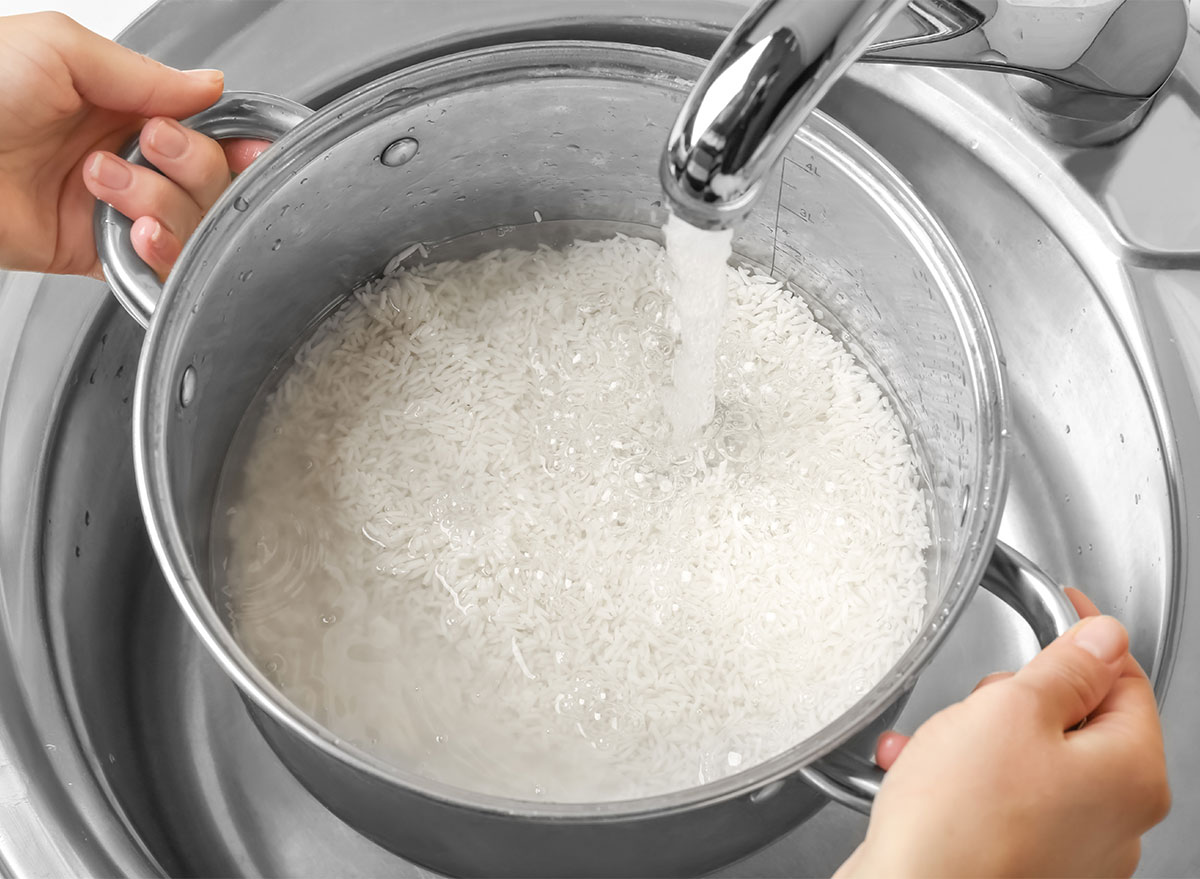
(235, 114)
(852, 781)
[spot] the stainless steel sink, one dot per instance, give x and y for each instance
(123, 749)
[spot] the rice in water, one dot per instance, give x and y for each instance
(468, 540)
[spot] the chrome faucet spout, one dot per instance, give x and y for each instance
(766, 77)
(1090, 70)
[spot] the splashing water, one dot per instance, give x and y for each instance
(697, 264)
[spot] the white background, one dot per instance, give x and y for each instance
(108, 17)
(105, 17)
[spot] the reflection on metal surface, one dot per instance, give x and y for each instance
(156, 765)
(1089, 73)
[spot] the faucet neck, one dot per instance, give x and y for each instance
(767, 76)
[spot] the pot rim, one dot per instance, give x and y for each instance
(156, 395)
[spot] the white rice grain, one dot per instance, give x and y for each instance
(465, 539)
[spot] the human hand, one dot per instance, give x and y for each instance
(70, 97)
(1003, 784)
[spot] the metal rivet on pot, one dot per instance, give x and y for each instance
(399, 152)
(187, 386)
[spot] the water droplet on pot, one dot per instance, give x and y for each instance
(246, 275)
(240, 204)
(399, 152)
(187, 386)
(278, 244)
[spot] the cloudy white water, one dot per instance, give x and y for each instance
(468, 541)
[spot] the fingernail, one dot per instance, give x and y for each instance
(1103, 637)
(109, 173)
(206, 75)
(169, 138)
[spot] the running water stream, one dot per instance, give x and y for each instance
(697, 282)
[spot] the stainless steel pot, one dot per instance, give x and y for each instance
(460, 153)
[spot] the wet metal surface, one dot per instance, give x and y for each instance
(125, 751)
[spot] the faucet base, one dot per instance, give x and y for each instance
(1089, 71)
(1074, 117)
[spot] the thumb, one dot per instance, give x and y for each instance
(1072, 675)
(111, 76)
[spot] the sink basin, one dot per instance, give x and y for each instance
(125, 751)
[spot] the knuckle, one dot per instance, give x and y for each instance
(1127, 861)
(152, 194)
(55, 22)
(150, 79)
(1161, 806)
(58, 30)
(1144, 787)
(212, 173)
(1156, 797)
(1016, 698)
(994, 678)
(1077, 684)
(214, 163)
